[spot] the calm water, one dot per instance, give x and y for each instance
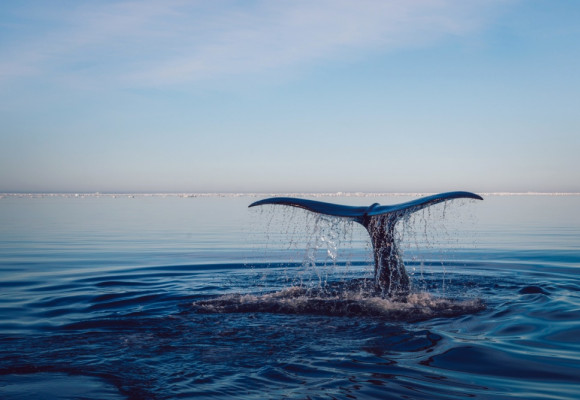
(174, 297)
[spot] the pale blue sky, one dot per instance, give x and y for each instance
(270, 96)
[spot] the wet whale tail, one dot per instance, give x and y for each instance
(390, 275)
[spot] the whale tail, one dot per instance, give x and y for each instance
(390, 275)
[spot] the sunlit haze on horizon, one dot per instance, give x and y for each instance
(295, 96)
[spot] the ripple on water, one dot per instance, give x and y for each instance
(56, 386)
(494, 362)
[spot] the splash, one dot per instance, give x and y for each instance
(379, 220)
(345, 301)
(314, 288)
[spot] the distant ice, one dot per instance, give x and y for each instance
(264, 194)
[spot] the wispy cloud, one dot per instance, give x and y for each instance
(157, 43)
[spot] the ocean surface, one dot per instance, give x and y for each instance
(180, 297)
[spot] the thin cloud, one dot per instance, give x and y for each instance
(157, 43)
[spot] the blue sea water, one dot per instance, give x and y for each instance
(178, 297)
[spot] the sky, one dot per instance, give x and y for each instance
(289, 96)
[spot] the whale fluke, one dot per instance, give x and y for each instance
(390, 275)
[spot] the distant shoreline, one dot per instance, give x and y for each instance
(269, 194)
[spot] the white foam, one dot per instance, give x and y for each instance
(297, 300)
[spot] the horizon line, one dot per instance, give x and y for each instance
(256, 194)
